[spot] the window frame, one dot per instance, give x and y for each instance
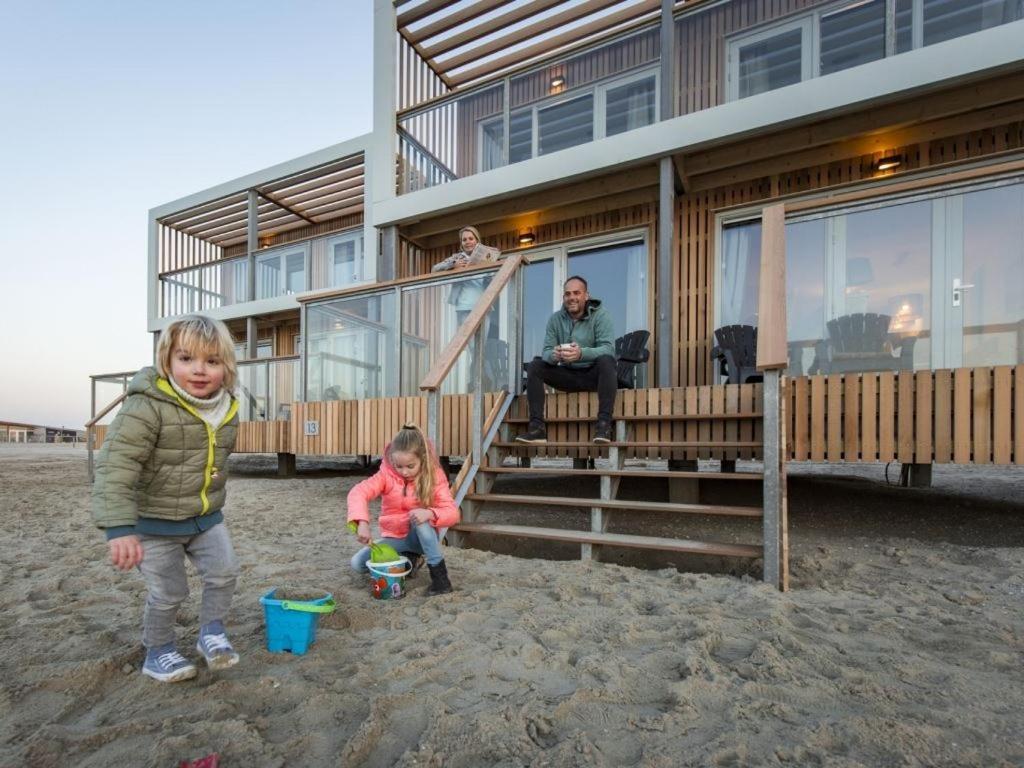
(355, 236)
(810, 20)
(947, 231)
(597, 89)
(279, 253)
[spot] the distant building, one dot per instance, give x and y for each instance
(14, 432)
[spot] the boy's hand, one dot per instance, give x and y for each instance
(420, 516)
(363, 532)
(125, 552)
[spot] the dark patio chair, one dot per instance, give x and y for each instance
(862, 342)
(630, 351)
(736, 353)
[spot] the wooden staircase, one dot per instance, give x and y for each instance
(666, 435)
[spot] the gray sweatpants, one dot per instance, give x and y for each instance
(163, 567)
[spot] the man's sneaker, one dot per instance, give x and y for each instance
(535, 434)
(165, 664)
(603, 432)
(214, 646)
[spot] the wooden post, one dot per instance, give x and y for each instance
(772, 360)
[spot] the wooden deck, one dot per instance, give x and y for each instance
(962, 416)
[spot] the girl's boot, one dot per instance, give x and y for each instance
(439, 584)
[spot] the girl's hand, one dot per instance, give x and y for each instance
(125, 552)
(420, 516)
(363, 532)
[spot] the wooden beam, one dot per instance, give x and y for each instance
(421, 11)
(529, 32)
(954, 101)
(862, 145)
(284, 206)
(553, 43)
(771, 302)
(634, 178)
(507, 19)
(450, 21)
(909, 185)
(533, 220)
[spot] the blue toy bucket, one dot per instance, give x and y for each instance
(291, 624)
(387, 580)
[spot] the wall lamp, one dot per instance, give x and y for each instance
(527, 237)
(557, 82)
(889, 162)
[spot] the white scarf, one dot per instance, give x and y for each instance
(211, 409)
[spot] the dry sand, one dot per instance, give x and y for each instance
(902, 642)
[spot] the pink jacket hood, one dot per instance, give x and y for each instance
(398, 499)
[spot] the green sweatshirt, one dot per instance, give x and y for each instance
(593, 332)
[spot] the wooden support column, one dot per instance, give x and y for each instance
(772, 361)
(663, 285)
(252, 243)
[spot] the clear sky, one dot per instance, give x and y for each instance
(110, 108)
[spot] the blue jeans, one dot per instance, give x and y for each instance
(421, 539)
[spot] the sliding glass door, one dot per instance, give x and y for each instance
(929, 281)
(616, 273)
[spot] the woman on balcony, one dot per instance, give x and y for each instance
(465, 294)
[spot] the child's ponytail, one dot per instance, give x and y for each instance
(411, 440)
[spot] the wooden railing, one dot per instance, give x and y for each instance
(473, 329)
(90, 431)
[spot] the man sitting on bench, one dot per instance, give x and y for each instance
(578, 356)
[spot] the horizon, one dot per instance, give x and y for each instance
(117, 109)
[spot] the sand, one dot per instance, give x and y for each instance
(901, 643)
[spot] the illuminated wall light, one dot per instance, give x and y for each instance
(889, 162)
(527, 237)
(557, 82)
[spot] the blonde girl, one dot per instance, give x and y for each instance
(416, 506)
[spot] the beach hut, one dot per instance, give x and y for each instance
(847, 178)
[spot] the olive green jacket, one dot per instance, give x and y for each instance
(159, 459)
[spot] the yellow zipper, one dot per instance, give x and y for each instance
(211, 437)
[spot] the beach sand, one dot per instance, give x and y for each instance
(900, 644)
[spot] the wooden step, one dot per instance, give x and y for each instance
(614, 539)
(632, 444)
(628, 505)
(639, 417)
(671, 474)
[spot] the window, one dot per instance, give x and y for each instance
(575, 118)
(280, 272)
(345, 254)
(943, 269)
(841, 35)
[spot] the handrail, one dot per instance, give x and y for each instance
(432, 381)
(427, 154)
(117, 401)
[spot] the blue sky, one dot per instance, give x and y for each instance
(113, 107)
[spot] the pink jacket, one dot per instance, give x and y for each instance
(398, 499)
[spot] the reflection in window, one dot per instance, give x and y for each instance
(852, 36)
(771, 63)
(348, 347)
(629, 106)
(565, 125)
(993, 263)
(946, 19)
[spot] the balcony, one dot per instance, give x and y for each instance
(289, 229)
(477, 93)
